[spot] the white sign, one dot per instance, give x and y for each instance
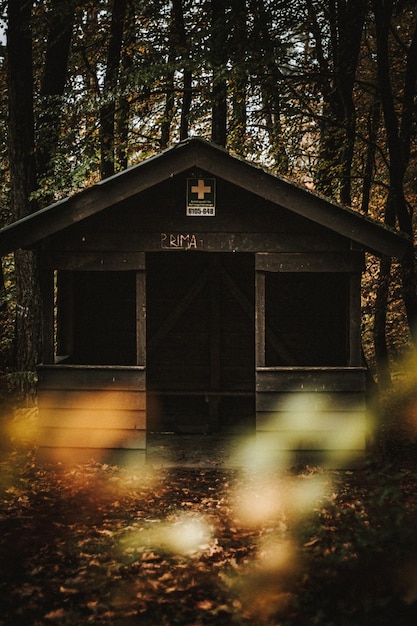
(201, 197)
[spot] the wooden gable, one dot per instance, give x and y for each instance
(143, 189)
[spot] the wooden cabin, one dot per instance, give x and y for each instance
(197, 293)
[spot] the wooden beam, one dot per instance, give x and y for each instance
(260, 319)
(355, 322)
(48, 317)
(141, 318)
(349, 261)
(88, 260)
(65, 313)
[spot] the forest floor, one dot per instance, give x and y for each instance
(195, 537)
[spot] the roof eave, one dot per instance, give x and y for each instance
(196, 152)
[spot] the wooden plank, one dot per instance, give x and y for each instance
(92, 438)
(270, 379)
(215, 330)
(92, 261)
(104, 242)
(141, 318)
(48, 317)
(91, 418)
(202, 393)
(349, 261)
(355, 321)
(299, 402)
(65, 313)
(310, 421)
(91, 377)
(266, 334)
(260, 330)
(313, 440)
(122, 400)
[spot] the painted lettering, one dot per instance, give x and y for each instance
(180, 241)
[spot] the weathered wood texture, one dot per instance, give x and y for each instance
(92, 407)
(156, 220)
(319, 410)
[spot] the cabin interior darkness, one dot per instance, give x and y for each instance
(104, 318)
(307, 313)
(200, 342)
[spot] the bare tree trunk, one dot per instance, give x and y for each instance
(379, 331)
(170, 94)
(107, 112)
(399, 134)
(23, 183)
(123, 108)
(374, 119)
(183, 47)
(218, 61)
(54, 77)
(238, 122)
(338, 126)
(271, 82)
(186, 104)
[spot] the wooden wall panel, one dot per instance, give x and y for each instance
(319, 410)
(128, 400)
(79, 377)
(92, 407)
(103, 438)
(78, 417)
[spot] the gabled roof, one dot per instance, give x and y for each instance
(195, 152)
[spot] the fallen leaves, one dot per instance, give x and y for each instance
(99, 544)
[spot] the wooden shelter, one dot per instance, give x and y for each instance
(195, 292)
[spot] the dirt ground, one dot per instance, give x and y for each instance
(205, 451)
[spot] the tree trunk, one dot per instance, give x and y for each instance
(374, 119)
(183, 48)
(271, 80)
(399, 136)
(123, 108)
(23, 183)
(107, 111)
(379, 331)
(238, 122)
(61, 21)
(186, 104)
(338, 125)
(218, 61)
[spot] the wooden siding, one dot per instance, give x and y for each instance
(312, 415)
(92, 407)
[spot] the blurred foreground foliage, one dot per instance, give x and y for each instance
(106, 544)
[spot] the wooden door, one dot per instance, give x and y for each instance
(200, 341)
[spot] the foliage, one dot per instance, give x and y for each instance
(106, 544)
